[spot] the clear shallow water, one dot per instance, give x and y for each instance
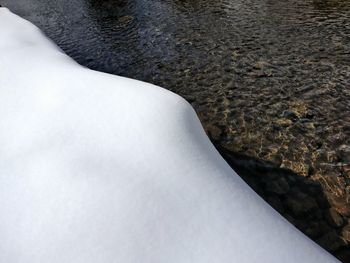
(269, 79)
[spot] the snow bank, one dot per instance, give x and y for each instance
(95, 168)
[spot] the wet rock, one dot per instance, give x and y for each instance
(333, 218)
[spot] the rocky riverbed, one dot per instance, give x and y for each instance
(270, 81)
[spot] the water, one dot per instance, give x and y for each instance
(269, 79)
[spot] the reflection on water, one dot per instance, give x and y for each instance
(268, 78)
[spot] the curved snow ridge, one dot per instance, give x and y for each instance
(96, 168)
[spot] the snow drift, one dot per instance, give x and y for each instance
(96, 168)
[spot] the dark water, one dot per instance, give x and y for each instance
(269, 79)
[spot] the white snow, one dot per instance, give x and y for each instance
(96, 168)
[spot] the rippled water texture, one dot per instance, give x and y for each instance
(269, 78)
